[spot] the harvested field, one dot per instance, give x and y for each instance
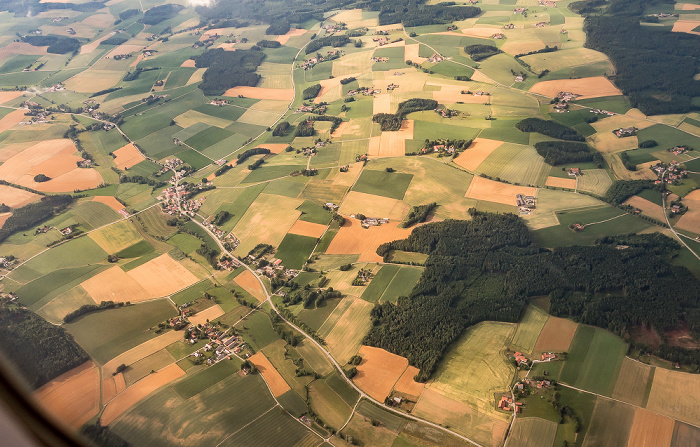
(594, 87)
(374, 206)
(15, 197)
(73, 397)
(690, 221)
(273, 378)
(3, 218)
(345, 327)
(249, 282)
(685, 435)
(559, 182)
(449, 94)
(353, 239)
(127, 156)
(532, 432)
(333, 84)
(382, 104)
(411, 53)
(189, 63)
(275, 148)
(138, 391)
(267, 220)
(112, 386)
(115, 238)
(310, 229)
(379, 371)
(676, 395)
(461, 417)
(529, 329)
(162, 276)
(648, 208)
(686, 26)
(206, 315)
(92, 46)
(632, 382)
(479, 151)
(139, 352)
(294, 32)
(11, 120)
(556, 335)
(407, 385)
(93, 80)
(21, 48)
(485, 32)
(53, 158)
(392, 144)
(280, 94)
(492, 191)
(650, 430)
(9, 96)
(110, 202)
(596, 181)
(192, 117)
(114, 285)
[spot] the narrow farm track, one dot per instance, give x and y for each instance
(327, 354)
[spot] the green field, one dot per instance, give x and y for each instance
(391, 282)
(529, 328)
(610, 424)
(532, 432)
(294, 250)
(257, 330)
(108, 333)
(199, 381)
(594, 360)
(382, 183)
(516, 164)
(668, 137)
(51, 285)
(274, 428)
(326, 402)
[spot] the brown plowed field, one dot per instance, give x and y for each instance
(648, 208)
(479, 151)
(114, 285)
(310, 229)
(484, 189)
(556, 335)
(294, 32)
(109, 201)
(250, 284)
(691, 219)
(353, 239)
(73, 397)
(132, 395)
(11, 120)
(9, 96)
(127, 156)
(209, 314)
(379, 371)
(273, 378)
(594, 87)
(407, 385)
(650, 430)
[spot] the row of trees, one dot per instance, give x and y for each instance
(330, 41)
(392, 121)
(481, 52)
(550, 128)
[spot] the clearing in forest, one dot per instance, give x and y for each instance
(353, 238)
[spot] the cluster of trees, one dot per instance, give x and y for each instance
(243, 156)
(345, 81)
(418, 214)
(269, 43)
(228, 69)
(34, 213)
(415, 13)
(480, 52)
(305, 129)
(40, 178)
(311, 92)
(558, 153)
(625, 158)
(221, 217)
(256, 164)
(105, 91)
(40, 350)
(486, 268)
(279, 28)
(392, 122)
(621, 190)
(103, 436)
(56, 44)
(280, 129)
(330, 41)
(115, 40)
(129, 13)
(141, 180)
(88, 308)
(546, 49)
(311, 298)
(550, 128)
(335, 120)
(654, 66)
(23, 8)
(160, 13)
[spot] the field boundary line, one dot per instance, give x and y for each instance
(236, 432)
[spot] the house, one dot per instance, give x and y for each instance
(520, 358)
(625, 132)
(573, 172)
(498, 36)
(548, 356)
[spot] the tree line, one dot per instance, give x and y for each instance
(550, 128)
(557, 153)
(34, 213)
(392, 121)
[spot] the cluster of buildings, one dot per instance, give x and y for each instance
(372, 221)
(520, 10)
(435, 58)
(6, 262)
(119, 57)
(678, 150)
(438, 148)
(573, 172)
(601, 112)
(318, 109)
(623, 132)
(220, 345)
(506, 403)
(170, 164)
(172, 199)
(84, 163)
(379, 59)
(498, 36)
(332, 206)
(332, 28)
(541, 24)
(366, 91)
(452, 28)
(673, 172)
(509, 26)
(447, 113)
(526, 204)
(308, 64)
(663, 15)
(391, 87)
(219, 102)
(561, 101)
(548, 3)
(519, 78)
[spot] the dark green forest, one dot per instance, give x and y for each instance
(557, 153)
(487, 268)
(228, 69)
(34, 213)
(550, 128)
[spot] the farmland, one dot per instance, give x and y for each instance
(154, 142)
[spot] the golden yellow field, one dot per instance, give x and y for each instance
(632, 381)
(266, 221)
(132, 395)
(310, 229)
(382, 104)
(114, 285)
(492, 191)
(353, 239)
(189, 63)
(162, 276)
(411, 53)
(479, 151)
(650, 430)
(690, 221)
(116, 237)
(407, 385)
(648, 208)
(73, 397)
(344, 329)
(594, 87)
(293, 32)
(379, 371)
(274, 380)
(3, 218)
(127, 156)
(374, 206)
(686, 26)
(558, 182)
(139, 352)
(249, 282)
(391, 144)
(192, 117)
(15, 197)
(206, 315)
(676, 394)
(333, 84)
(93, 80)
(9, 96)
(110, 201)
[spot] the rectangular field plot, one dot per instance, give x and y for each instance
(267, 220)
(532, 432)
(327, 402)
(345, 328)
(273, 428)
(382, 183)
(529, 329)
(391, 282)
(294, 250)
(596, 181)
(676, 395)
(633, 382)
(650, 429)
(556, 335)
(116, 237)
(516, 164)
(610, 424)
